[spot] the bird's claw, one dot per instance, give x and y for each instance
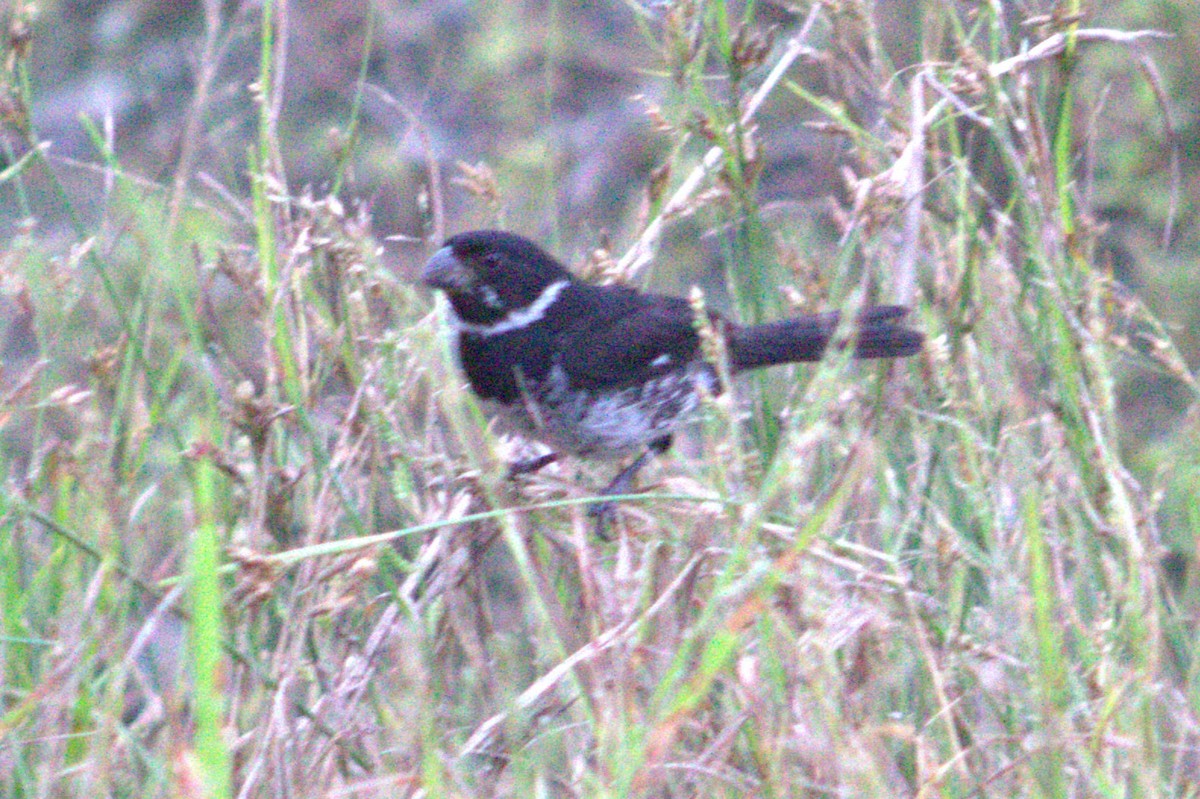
(603, 514)
(531, 465)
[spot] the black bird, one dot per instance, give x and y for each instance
(607, 371)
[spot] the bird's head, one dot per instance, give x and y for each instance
(495, 281)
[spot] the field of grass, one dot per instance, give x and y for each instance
(257, 538)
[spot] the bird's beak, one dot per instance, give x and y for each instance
(444, 271)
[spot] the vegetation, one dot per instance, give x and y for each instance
(258, 540)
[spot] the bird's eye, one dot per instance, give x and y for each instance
(488, 296)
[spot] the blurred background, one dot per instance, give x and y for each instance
(552, 96)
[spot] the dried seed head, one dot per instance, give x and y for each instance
(660, 177)
(712, 343)
(13, 111)
(20, 35)
(654, 111)
(750, 50)
(480, 180)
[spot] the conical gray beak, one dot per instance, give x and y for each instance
(445, 271)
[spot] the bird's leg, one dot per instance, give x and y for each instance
(531, 465)
(603, 511)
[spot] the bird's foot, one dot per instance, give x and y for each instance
(531, 465)
(605, 511)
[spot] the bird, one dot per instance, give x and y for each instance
(608, 372)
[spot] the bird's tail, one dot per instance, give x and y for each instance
(880, 334)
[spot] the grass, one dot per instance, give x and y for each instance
(258, 538)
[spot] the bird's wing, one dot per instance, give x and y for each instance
(625, 338)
